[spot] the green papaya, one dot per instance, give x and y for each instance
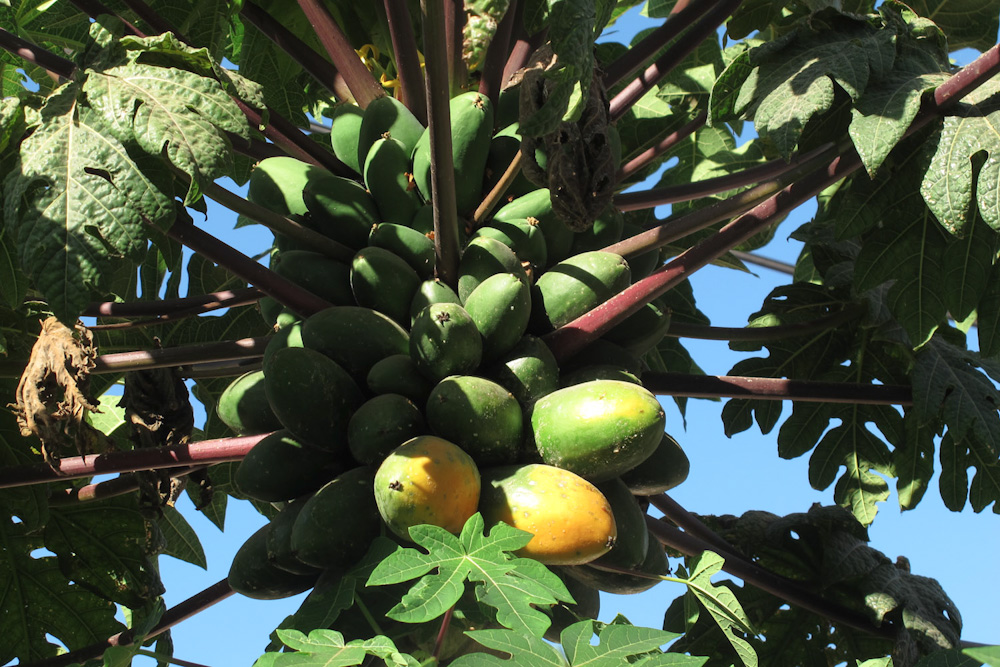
(253, 575)
(524, 237)
(644, 264)
(339, 208)
(597, 429)
(485, 257)
(633, 536)
(312, 396)
(664, 469)
(276, 183)
(275, 314)
(283, 467)
(384, 282)
(606, 230)
(586, 605)
(621, 583)
(643, 330)
(431, 291)
(387, 115)
(444, 341)
(354, 337)
(504, 146)
(279, 540)
(528, 371)
(597, 372)
(575, 286)
(380, 425)
(500, 306)
(423, 220)
(243, 406)
(339, 522)
(537, 206)
(408, 244)
(290, 336)
(326, 278)
(344, 132)
(398, 374)
(388, 178)
(603, 352)
(479, 416)
(471, 129)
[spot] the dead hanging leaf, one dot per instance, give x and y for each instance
(53, 395)
(580, 159)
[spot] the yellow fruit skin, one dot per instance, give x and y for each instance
(570, 518)
(427, 480)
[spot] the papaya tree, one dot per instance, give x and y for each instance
(442, 377)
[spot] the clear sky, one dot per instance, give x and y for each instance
(728, 476)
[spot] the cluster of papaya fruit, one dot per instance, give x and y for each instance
(409, 401)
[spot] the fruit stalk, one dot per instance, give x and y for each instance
(776, 332)
(497, 52)
(775, 389)
(169, 306)
(244, 298)
(643, 159)
(25, 50)
(119, 486)
(404, 44)
(179, 356)
(220, 450)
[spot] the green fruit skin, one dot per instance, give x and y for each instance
(633, 537)
(564, 614)
(344, 132)
(283, 467)
(643, 330)
(619, 583)
(524, 237)
(597, 429)
(537, 206)
(276, 183)
(606, 230)
(445, 341)
(279, 540)
(384, 282)
(666, 467)
(253, 575)
(398, 374)
(381, 425)
(354, 337)
(471, 130)
(243, 406)
(387, 115)
(598, 372)
(500, 307)
(414, 248)
(337, 525)
(504, 146)
(529, 371)
(431, 291)
(340, 209)
(326, 278)
(575, 286)
(312, 396)
(386, 173)
(485, 257)
(644, 264)
(290, 336)
(478, 415)
(605, 353)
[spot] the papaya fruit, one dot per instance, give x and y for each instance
(344, 131)
(571, 520)
(643, 330)
(384, 282)
(615, 426)
(644, 264)
(279, 540)
(312, 396)
(339, 208)
(388, 179)
(431, 291)
(528, 371)
(398, 374)
(633, 536)
(408, 244)
(354, 337)
(479, 416)
(586, 605)
(338, 523)
(606, 230)
(574, 286)
(597, 372)
(665, 468)
(387, 116)
(289, 336)
(523, 236)
(471, 130)
(243, 406)
(503, 147)
(603, 352)
(254, 576)
(275, 314)
(444, 341)
(484, 257)
(276, 183)
(427, 480)
(536, 206)
(500, 306)
(283, 467)
(622, 583)
(380, 425)
(326, 278)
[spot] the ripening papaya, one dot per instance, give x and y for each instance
(597, 429)
(283, 467)
(387, 116)
(664, 469)
(354, 337)
(253, 575)
(243, 406)
(570, 519)
(500, 306)
(384, 282)
(388, 178)
(575, 286)
(380, 425)
(339, 522)
(479, 416)
(427, 480)
(444, 341)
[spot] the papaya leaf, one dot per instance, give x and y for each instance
(30, 504)
(511, 585)
(989, 655)
(327, 648)
(965, 22)
(181, 539)
(78, 204)
(876, 662)
(954, 658)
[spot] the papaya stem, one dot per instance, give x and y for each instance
(53, 64)
(321, 69)
(704, 28)
(681, 17)
(454, 22)
(169, 306)
(360, 81)
(182, 355)
(775, 389)
(286, 292)
(404, 46)
(245, 298)
(766, 262)
(523, 47)
(491, 76)
(494, 196)
(776, 332)
(119, 486)
(195, 604)
(363, 608)
(644, 159)
(446, 246)
(689, 522)
(442, 632)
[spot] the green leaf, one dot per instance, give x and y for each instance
(989, 316)
(875, 662)
(78, 204)
(30, 504)
(965, 22)
(913, 461)
(327, 648)
(181, 539)
(107, 547)
(949, 658)
(720, 602)
(989, 655)
(510, 585)
(174, 112)
(526, 650)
